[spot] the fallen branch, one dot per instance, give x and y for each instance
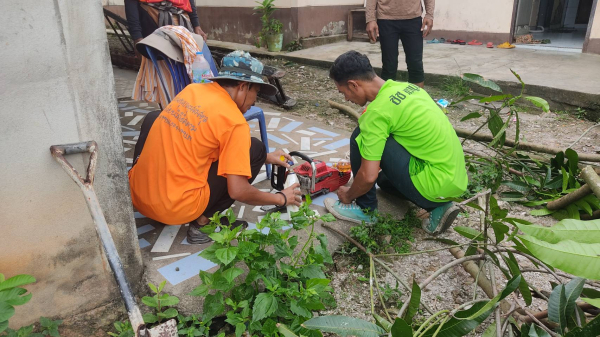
(591, 179)
(570, 198)
(344, 108)
(523, 145)
(595, 215)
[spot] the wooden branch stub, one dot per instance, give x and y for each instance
(570, 198)
(591, 179)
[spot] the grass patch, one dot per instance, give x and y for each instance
(455, 87)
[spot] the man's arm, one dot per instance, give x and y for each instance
(132, 13)
(371, 16)
(363, 181)
(239, 189)
(429, 8)
(196, 21)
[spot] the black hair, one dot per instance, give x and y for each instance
(351, 65)
(231, 83)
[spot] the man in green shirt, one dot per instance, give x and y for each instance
(406, 135)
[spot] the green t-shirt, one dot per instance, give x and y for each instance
(407, 113)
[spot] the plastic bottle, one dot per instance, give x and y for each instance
(289, 181)
(201, 69)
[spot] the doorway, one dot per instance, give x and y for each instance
(558, 25)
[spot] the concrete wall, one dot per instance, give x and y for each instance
(473, 19)
(57, 87)
(593, 44)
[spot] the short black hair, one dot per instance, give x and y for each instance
(351, 65)
(231, 83)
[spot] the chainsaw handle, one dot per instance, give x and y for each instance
(301, 155)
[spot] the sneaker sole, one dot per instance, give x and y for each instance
(198, 242)
(448, 219)
(338, 216)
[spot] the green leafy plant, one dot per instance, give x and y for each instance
(194, 326)
(48, 327)
(455, 86)
(265, 9)
(161, 303)
(124, 329)
(12, 294)
(385, 235)
(294, 45)
(284, 284)
(483, 174)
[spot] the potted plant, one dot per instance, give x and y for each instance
(271, 32)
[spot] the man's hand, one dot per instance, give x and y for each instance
(373, 31)
(200, 32)
(293, 195)
(426, 28)
(343, 195)
(275, 158)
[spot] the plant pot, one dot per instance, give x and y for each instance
(274, 42)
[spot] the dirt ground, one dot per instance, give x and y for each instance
(311, 87)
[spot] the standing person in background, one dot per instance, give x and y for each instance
(143, 18)
(393, 20)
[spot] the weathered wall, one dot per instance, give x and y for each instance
(473, 19)
(57, 87)
(235, 21)
(593, 44)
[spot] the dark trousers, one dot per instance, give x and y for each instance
(394, 177)
(409, 32)
(219, 199)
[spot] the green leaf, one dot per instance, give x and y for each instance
(539, 102)
(557, 305)
(589, 330)
(6, 311)
(226, 255)
(344, 326)
(593, 301)
(312, 271)
(468, 232)
(541, 212)
(285, 331)
(500, 230)
(17, 281)
(517, 185)
(568, 229)
(490, 331)
(231, 274)
(511, 286)
(239, 329)
(471, 116)
(13, 296)
(149, 318)
(153, 288)
(299, 310)
(583, 205)
(169, 313)
(579, 259)
(460, 326)
(513, 265)
(150, 301)
(533, 331)
(415, 300)
(264, 305)
(201, 290)
(328, 217)
(477, 79)
(3, 325)
(209, 253)
(167, 301)
(495, 98)
(573, 211)
(572, 292)
(401, 329)
(213, 306)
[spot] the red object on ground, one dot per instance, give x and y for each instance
(490, 45)
(328, 179)
(458, 41)
(475, 43)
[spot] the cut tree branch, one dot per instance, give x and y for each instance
(591, 179)
(570, 198)
(523, 145)
(345, 109)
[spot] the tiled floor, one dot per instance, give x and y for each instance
(166, 246)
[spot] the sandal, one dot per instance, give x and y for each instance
(475, 43)
(506, 45)
(490, 45)
(433, 41)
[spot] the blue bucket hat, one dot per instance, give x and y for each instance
(241, 66)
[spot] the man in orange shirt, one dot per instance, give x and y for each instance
(196, 157)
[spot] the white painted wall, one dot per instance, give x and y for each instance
(595, 29)
(473, 15)
(252, 3)
(57, 87)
